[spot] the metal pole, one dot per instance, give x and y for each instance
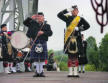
(35, 7)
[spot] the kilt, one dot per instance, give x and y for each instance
(39, 56)
(82, 60)
(72, 61)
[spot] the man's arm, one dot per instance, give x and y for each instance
(62, 15)
(83, 25)
(48, 31)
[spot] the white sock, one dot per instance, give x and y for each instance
(37, 67)
(18, 66)
(75, 71)
(70, 71)
(11, 65)
(83, 68)
(41, 66)
(79, 67)
(7, 69)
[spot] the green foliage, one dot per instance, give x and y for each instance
(92, 52)
(63, 66)
(61, 61)
(93, 58)
(104, 53)
(50, 51)
(89, 67)
(61, 58)
(91, 43)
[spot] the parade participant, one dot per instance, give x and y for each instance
(73, 43)
(38, 30)
(50, 62)
(83, 58)
(12, 55)
(6, 48)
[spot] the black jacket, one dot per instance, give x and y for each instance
(82, 25)
(34, 27)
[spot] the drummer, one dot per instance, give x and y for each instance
(39, 50)
(6, 49)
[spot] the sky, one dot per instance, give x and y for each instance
(51, 8)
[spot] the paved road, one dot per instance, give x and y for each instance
(55, 77)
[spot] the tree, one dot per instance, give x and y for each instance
(92, 52)
(50, 51)
(104, 53)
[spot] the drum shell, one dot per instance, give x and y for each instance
(19, 40)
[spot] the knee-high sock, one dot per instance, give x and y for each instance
(79, 67)
(18, 66)
(83, 67)
(6, 67)
(70, 71)
(10, 66)
(37, 67)
(29, 66)
(75, 71)
(41, 66)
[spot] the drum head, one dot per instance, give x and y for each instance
(19, 40)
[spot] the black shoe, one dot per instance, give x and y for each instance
(27, 71)
(36, 75)
(83, 72)
(79, 71)
(70, 75)
(76, 76)
(19, 71)
(42, 75)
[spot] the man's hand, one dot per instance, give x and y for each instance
(70, 9)
(9, 37)
(40, 33)
(34, 17)
(76, 29)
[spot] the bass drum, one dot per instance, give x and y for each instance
(19, 40)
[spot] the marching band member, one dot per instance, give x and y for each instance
(40, 30)
(73, 43)
(5, 52)
(83, 58)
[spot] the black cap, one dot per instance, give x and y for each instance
(3, 25)
(74, 7)
(40, 13)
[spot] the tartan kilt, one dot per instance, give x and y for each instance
(72, 61)
(39, 56)
(82, 60)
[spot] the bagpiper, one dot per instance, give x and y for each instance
(72, 41)
(38, 32)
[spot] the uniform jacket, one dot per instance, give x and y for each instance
(34, 27)
(82, 25)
